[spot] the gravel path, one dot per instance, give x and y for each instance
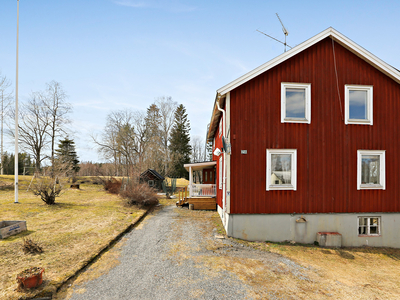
(175, 254)
(152, 266)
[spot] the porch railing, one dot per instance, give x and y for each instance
(206, 190)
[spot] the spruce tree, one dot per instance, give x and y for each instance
(66, 154)
(180, 143)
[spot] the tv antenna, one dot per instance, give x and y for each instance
(285, 32)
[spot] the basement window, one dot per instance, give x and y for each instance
(281, 169)
(371, 169)
(358, 104)
(296, 102)
(369, 226)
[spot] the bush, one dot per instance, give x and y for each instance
(112, 185)
(139, 194)
(47, 188)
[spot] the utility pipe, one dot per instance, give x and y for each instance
(224, 167)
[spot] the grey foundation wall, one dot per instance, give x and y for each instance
(282, 227)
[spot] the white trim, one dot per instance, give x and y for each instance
(220, 173)
(382, 167)
(293, 185)
(307, 111)
(330, 32)
(220, 126)
(368, 226)
(370, 114)
(199, 165)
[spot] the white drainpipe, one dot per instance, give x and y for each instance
(224, 168)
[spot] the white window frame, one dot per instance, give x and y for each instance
(220, 172)
(382, 169)
(151, 183)
(293, 185)
(369, 90)
(369, 227)
(307, 88)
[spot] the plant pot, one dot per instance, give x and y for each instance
(31, 278)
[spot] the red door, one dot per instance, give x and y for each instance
(208, 176)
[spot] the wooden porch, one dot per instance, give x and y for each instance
(199, 202)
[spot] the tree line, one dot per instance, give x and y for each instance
(159, 139)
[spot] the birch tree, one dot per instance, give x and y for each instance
(6, 100)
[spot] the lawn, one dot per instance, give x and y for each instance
(71, 232)
(342, 273)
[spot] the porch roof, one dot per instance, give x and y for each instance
(200, 165)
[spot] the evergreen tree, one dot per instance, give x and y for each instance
(66, 154)
(24, 160)
(180, 143)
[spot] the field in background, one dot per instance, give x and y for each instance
(74, 229)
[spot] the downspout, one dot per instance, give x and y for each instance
(224, 167)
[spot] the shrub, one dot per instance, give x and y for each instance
(139, 194)
(112, 185)
(31, 246)
(47, 188)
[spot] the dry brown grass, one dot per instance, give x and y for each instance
(71, 232)
(310, 272)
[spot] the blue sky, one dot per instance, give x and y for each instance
(116, 54)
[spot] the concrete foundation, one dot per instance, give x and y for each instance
(303, 228)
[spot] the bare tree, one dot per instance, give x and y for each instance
(6, 100)
(197, 149)
(54, 100)
(167, 108)
(33, 125)
(124, 139)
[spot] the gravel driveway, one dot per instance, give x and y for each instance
(175, 254)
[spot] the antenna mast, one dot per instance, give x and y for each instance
(285, 32)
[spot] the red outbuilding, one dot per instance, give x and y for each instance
(311, 145)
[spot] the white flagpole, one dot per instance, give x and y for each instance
(16, 116)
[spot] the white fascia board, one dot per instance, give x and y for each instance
(199, 166)
(337, 36)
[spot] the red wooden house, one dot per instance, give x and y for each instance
(313, 146)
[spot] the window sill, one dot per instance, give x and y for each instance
(288, 120)
(358, 122)
(366, 235)
(371, 187)
(280, 188)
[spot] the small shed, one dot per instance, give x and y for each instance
(153, 179)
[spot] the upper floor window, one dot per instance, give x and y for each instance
(281, 169)
(358, 104)
(296, 102)
(370, 169)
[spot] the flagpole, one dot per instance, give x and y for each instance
(16, 116)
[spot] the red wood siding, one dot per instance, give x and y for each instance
(326, 148)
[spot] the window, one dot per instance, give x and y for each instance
(151, 182)
(358, 104)
(281, 169)
(296, 102)
(220, 172)
(370, 169)
(369, 225)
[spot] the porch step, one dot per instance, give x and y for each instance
(203, 203)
